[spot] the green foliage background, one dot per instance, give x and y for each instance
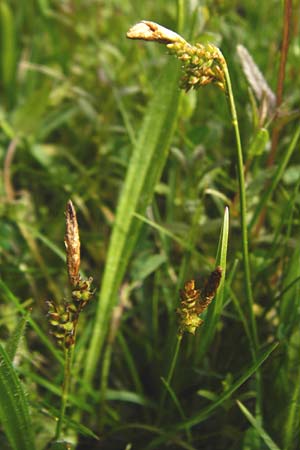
(76, 101)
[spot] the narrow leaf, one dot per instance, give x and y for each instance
(43, 337)
(215, 309)
(209, 410)
(144, 170)
(260, 430)
(277, 177)
(7, 45)
(14, 414)
(15, 338)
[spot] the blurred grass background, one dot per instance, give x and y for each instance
(73, 95)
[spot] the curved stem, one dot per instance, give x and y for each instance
(243, 206)
(243, 218)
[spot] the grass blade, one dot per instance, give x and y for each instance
(15, 338)
(260, 430)
(209, 410)
(215, 309)
(14, 414)
(276, 178)
(43, 337)
(7, 45)
(144, 170)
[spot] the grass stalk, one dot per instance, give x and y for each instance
(170, 375)
(244, 228)
(243, 207)
(65, 390)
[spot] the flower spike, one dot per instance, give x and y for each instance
(195, 301)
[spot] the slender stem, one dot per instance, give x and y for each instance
(243, 207)
(174, 360)
(243, 218)
(170, 374)
(65, 389)
(180, 16)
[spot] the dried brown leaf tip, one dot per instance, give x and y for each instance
(195, 301)
(201, 64)
(64, 316)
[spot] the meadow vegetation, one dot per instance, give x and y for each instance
(182, 163)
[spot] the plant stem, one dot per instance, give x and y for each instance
(243, 207)
(243, 218)
(180, 15)
(170, 374)
(65, 389)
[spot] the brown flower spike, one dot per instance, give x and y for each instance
(72, 244)
(64, 317)
(195, 301)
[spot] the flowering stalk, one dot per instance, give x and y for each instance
(202, 65)
(193, 303)
(64, 316)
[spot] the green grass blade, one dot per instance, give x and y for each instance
(291, 428)
(7, 45)
(164, 231)
(146, 164)
(215, 309)
(209, 410)
(260, 430)
(14, 340)
(177, 404)
(14, 414)
(276, 178)
(43, 337)
(290, 299)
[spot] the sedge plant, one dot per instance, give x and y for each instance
(64, 317)
(203, 65)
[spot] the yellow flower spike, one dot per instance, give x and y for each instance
(195, 301)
